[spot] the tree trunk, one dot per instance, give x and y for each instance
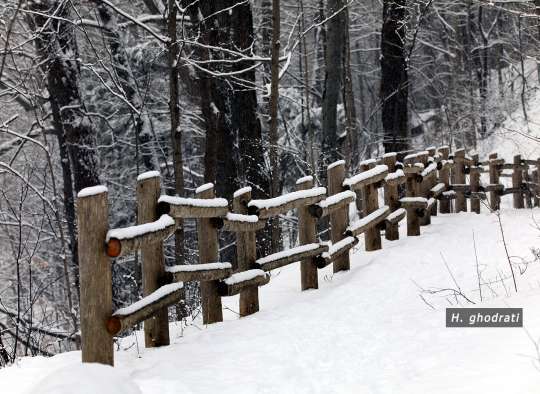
(335, 49)
(394, 78)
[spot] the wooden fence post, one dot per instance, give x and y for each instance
(339, 219)
(432, 182)
(425, 187)
(246, 254)
(517, 180)
(475, 185)
(156, 329)
(207, 236)
(95, 276)
(530, 188)
(459, 173)
(536, 179)
(391, 198)
(371, 204)
(444, 177)
(494, 196)
(307, 234)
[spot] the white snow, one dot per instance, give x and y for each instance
(286, 198)
(134, 231)
(286, 253)
(204, 188)
(237, 217)
(396, 213)
(92, 191)
(389, 154)
(85, 379)
(163, 291)
(377, 170)
(336, 247)
(337, 198)
(243, 276)
(304, 179)
(368, 162)
(394, 175)
(429, 169)
(148, 175)
(198, 267)
(369, 218)
(438, 188)
(335, 164)
(195, 202)
(244, 190)
(363, 331)
(406, 200)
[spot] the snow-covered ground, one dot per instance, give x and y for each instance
(363, 331)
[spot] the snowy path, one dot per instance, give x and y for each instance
(364, 331)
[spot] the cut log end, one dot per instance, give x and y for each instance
(114, 325)
(163, 208)
(113, 247)
(315, 211)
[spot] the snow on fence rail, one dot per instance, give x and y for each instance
(427, 183)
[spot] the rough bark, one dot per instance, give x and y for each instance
(394, 77)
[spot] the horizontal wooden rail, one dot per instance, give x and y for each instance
(234, 284)
(396, 216)
(282, 204)
(125, 318)
(198, 272)
(236, 222)
(367, 222)
(122, 241)
(365, 178)
(182, 207)
(395, 178)
(335, 250)
(332, 203)
(298, 253)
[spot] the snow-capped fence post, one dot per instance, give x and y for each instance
(432, 182)
(307, 234)
(246, 253)
(371, 204)
(517, 180)
(536, 180)
(494, 196)
(444, 177)
(529, 188)
(425, 187)
(391, 198)
(459, 178)
(207, 235)
(156, 329)
(95, 276)
(475, 185)
(339, 219)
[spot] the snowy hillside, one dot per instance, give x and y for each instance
(363, 331)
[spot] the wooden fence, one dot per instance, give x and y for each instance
(430, 182)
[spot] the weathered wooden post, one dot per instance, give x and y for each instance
(371, 204)
(95, 276)
(156, 329)
(307, 234)
(517, 180)
(444, 177)
(475, 185)
(494, 196)
(391, 197)
(529, 187)
(207, 236)
(536, 179)
(246, 253)
(425, 186)
(416, 207)
(432, 182)
(339, 219)
(459, 173)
